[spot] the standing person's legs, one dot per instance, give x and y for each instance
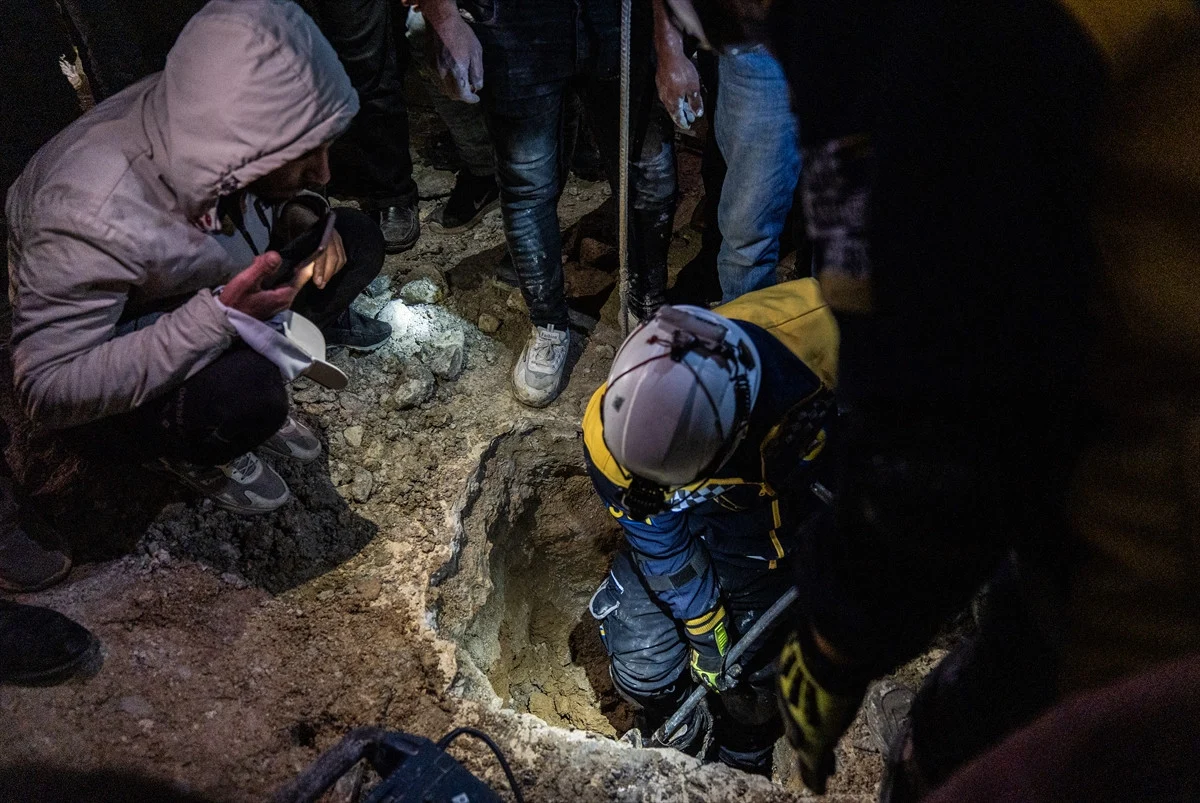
(475, 192)
(371, 161)
(759, 138)
(526, 133)
(526, 137)
(697, 282)
(652, 184)
(465, 121)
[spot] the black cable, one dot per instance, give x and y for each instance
(445, 741)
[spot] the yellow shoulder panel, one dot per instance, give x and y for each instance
(796, 314)
(593, 439)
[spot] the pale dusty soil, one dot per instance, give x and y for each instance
(237, 649)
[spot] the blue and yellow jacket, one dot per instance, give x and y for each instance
(755, 510)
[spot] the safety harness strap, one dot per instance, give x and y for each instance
(673, 582)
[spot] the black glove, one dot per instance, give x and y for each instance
(711, 636)
(818, 701)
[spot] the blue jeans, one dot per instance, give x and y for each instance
(760, 139)
(534, 61)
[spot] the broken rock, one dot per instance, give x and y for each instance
(353, 436)
(446, 353)
(362, 485)
(489, 324)
(415, 388)
(426, 285)
(380, 286)
(421, 291)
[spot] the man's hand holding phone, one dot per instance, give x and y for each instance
(270, 284)
(245, 291)
(329, 261)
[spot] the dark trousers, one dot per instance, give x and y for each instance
(649, 655)
(240, 399)
(371, 162)
(525, 113)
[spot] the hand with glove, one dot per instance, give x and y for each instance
(711, 636)
(455, 52)
(818, 699)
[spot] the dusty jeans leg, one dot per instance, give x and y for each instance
(759, 138)
(652, 182)
(646, 649)
(526, 133)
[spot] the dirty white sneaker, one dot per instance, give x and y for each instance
(293, 440)
(244, 485)
(537, 377)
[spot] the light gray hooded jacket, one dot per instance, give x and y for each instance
(115, 216)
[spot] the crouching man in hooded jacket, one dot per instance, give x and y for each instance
(706, 443)
(139, 242)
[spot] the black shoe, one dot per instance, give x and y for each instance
(357, 332)
(472, 198)
(586, 162)
(401, 226)
(506, 271)
(41, 647)
(32, 555)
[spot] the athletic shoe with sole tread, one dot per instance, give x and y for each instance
(472, 198)
(244, 485)
(537, 377)
(886, 709)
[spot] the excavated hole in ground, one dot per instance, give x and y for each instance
(534, 544)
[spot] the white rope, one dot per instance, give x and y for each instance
(623, 170)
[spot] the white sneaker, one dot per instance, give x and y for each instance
(537, 377)
(294, 440)
(243, 485)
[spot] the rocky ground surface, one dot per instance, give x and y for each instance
(416, 581)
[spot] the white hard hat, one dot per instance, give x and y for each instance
(679, 395)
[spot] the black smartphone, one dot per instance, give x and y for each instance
(301, 250)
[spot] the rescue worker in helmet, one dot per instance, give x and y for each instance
(707, 444)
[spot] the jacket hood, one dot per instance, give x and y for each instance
(248, 86)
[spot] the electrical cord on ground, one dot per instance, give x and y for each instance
(445, 741)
